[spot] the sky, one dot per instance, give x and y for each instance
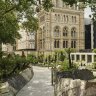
(87, 12)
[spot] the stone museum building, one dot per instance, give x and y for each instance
(62, 27)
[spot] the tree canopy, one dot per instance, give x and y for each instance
(13, 12)
(85, 3)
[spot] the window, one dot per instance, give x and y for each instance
(58, 17)
(83, 57)
(73, 44)
(65, 31)
(73, 19)
(57, 3)
(56, 31)
(89, 58)
(56, 43)
(66, 18)
(77, 57)
(72, 56)
(73, 32)
(65, 44)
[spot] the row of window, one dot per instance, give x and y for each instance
(65, 31)
(87, 58)
(65, 18)
(65, 44)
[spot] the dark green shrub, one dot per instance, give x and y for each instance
(12, 65)
(32, 59)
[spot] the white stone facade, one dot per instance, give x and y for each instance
(27, 40)
(86, 58)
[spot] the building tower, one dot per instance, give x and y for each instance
(62, 27)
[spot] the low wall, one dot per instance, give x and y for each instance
(14, 84)
(76, 87)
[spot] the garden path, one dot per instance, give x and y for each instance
(40, 85)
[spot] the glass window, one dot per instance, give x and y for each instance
(73, 44)
(73, 32)
(89, 58)
(56, 43)
(77, 57)
(65, 31)
(56, 31)
(83, 57)
(72, 56)
(65, 44)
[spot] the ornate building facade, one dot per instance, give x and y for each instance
(62, 27)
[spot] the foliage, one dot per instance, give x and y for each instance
(12, 64)
(94, 50)
(94, 64)
(64, 66)
(83, 4)
(18, 13)
(13, 12)
(40, 58)
(32, 59)
(60, 55)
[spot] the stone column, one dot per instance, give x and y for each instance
(75, 57)
(85, 58)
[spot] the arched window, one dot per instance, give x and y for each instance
(65, 31)
(73, 32)
(56, 31)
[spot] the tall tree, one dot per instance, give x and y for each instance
(18, 12)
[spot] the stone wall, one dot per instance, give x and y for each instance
(76, 87)
(14, 84)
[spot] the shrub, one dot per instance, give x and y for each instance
(12, 65)
(64, 66)
(32, 59)
(94, 65)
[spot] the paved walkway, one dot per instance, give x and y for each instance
(40, 85)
